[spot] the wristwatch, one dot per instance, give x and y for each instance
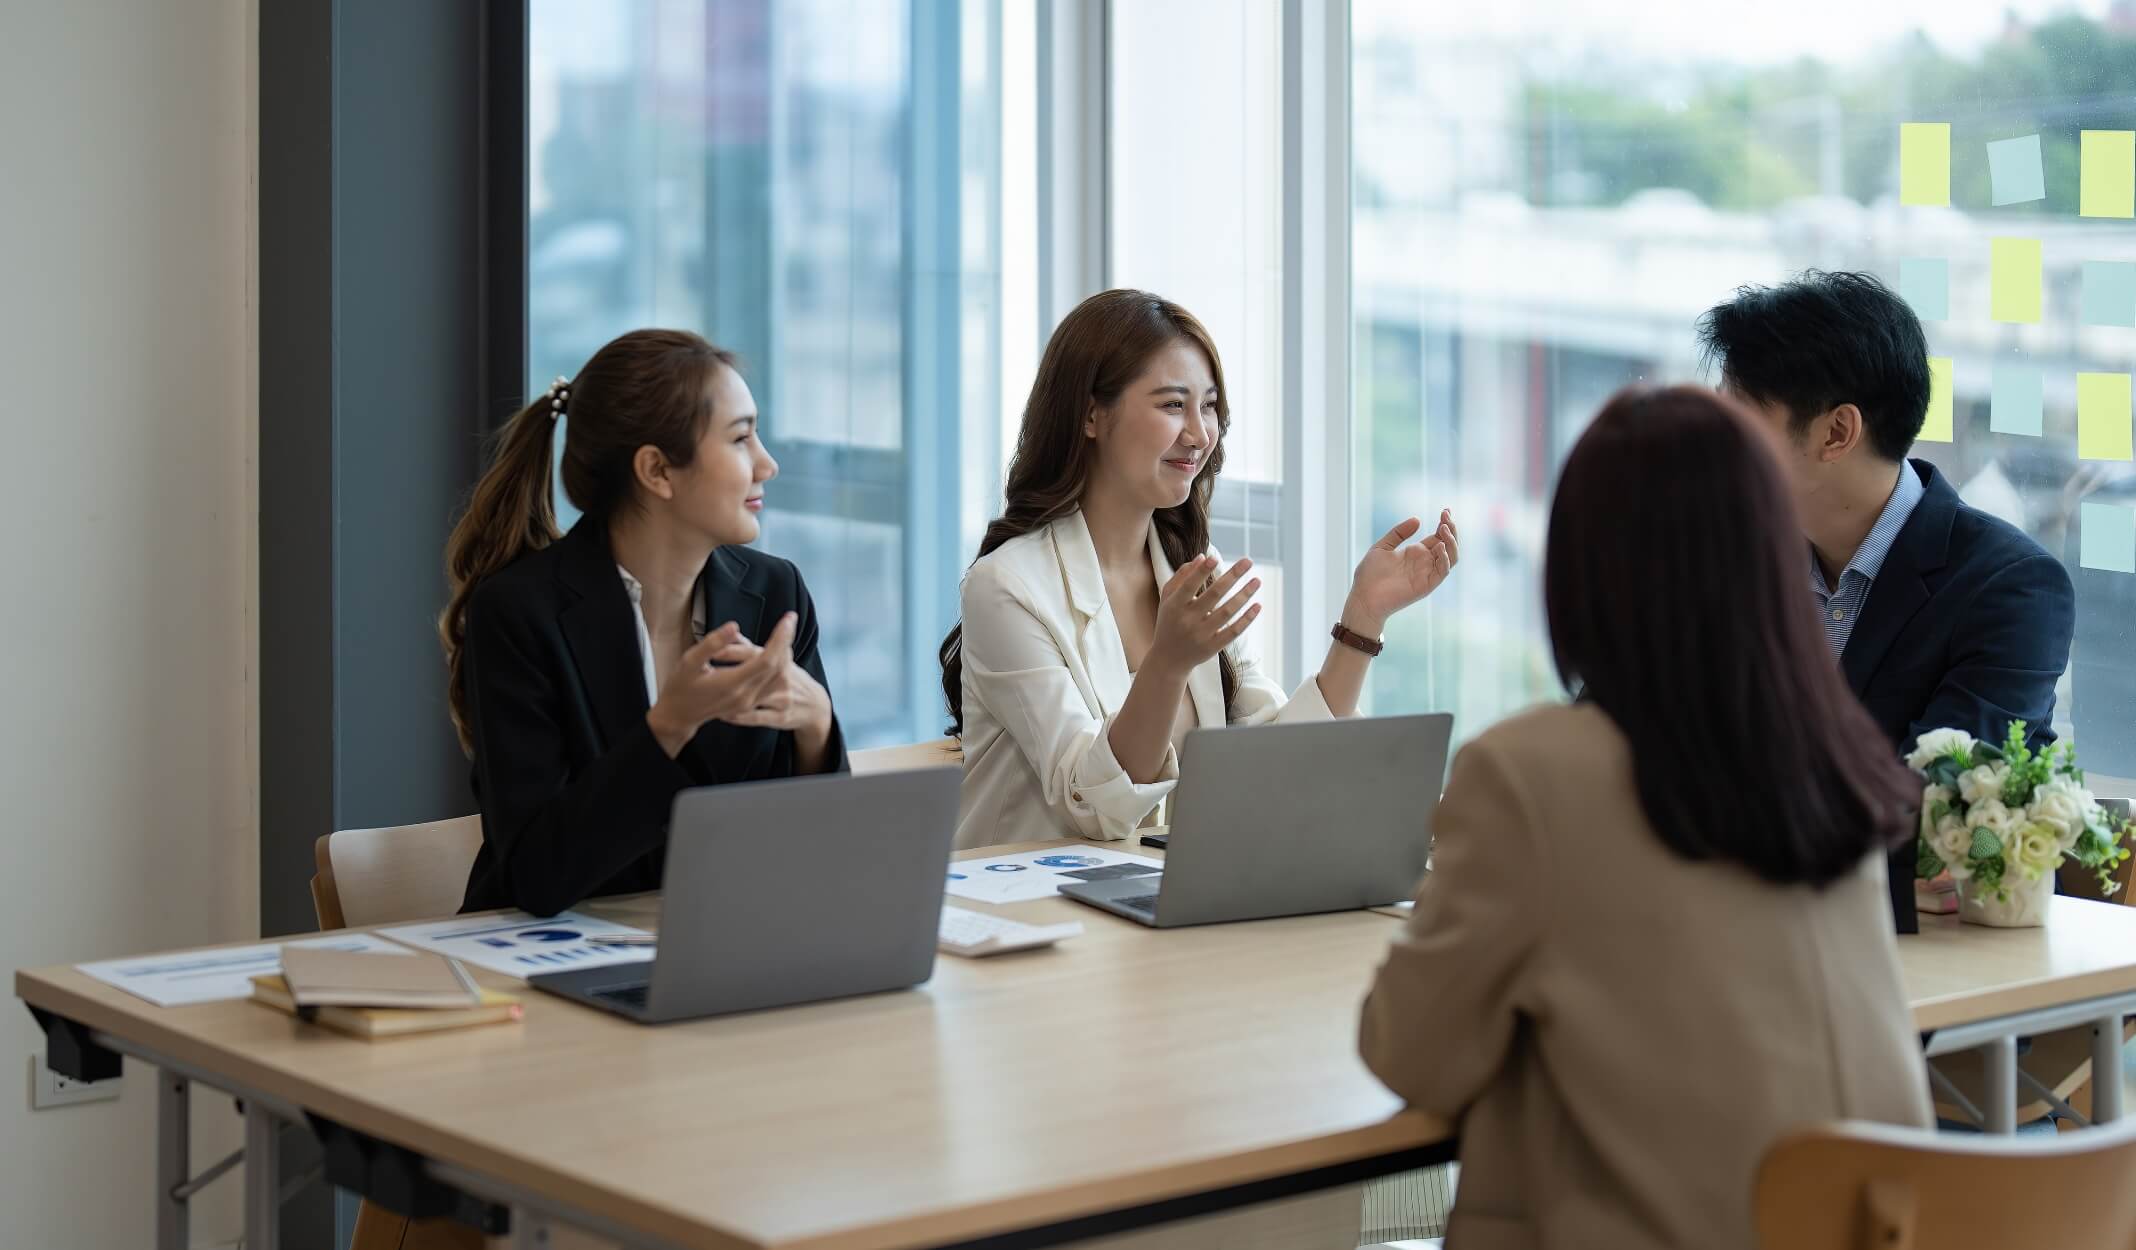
(1355, 641)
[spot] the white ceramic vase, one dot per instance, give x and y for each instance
(2023, 904)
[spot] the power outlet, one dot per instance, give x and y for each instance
(50, 1089)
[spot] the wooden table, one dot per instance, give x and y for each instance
(1125, 1078)
(1974, 987)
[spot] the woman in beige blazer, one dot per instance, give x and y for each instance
(1096, 628)
(1657, 933)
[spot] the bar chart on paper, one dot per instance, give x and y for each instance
(521, 945)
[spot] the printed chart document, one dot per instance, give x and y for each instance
(1026, 875)
(180, 978)
(520, 945)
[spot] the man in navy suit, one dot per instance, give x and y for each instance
(1942, 616)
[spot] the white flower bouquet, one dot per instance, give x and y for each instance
(1995, 817)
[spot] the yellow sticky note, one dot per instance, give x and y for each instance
(2103, 426)
(2106, 184)
(1936, 428)
(2014, 280)
(1925, 163)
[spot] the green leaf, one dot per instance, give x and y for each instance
(1985, 844)
(1926, 862)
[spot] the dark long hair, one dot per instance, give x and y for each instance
(1094, 353)
(1676, 590)
(646, 388)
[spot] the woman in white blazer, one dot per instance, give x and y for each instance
(1096, 626)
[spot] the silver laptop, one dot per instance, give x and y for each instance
(782, 892)
(1281, 820)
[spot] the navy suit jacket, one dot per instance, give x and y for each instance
(1966, 627)
(574, 788)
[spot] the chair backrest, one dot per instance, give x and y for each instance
(1876, 1187)
(911, 755)
(385, 876)
(2084, 882)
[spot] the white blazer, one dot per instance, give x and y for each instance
(1044, 675)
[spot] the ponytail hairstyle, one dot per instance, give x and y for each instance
(1095, 352)
(648, 388)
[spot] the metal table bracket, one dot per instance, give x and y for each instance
(72, 1051)
(399, 1180)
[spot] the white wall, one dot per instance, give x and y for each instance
(128, 538)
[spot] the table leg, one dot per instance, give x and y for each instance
(173, 1160)
(263, 1180)
(2106, 1070)
(1999, 1067)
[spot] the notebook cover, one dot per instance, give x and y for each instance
(497, 1007)
(330, 978)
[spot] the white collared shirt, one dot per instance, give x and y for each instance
(636, 591)
(1045, 674)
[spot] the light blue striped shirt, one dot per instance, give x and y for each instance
(1838, 609)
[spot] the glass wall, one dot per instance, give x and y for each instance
(1194, 213)
(815, 184)
(1547, 196)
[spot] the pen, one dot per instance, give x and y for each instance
(623, 939)
(466, 982)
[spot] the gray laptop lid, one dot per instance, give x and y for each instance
(779, 892)
(1279, 820)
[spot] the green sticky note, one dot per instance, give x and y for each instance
(2014, 280)
(2017, 400)
(2103, 431)
(1925, 163)
(2109, 297)
(1936, 427)
(2107, 538)
(2106, 184)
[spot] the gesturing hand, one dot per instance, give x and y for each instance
(1391, 576)
(1195, 620)
(699, 691)
(792, 700)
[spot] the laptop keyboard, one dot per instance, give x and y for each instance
(1143, 903)
(628, 995)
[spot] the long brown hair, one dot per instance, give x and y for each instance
(646, 388)
(1684, 618)
(1094, 353)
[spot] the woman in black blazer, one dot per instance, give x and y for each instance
(596, 673)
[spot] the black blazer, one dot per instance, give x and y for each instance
(1966, 627)
(574, 789)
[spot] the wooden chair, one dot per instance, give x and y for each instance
(911, 755)
(371, 877)
(1856, 1186)
(2058, 1061)
(385, 876)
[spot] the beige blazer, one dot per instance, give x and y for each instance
(1622, 1032)
(1044, 675)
